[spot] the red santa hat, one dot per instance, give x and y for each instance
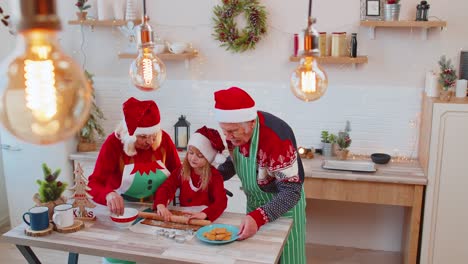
(209, 143)
(234, 105)
(141, 118)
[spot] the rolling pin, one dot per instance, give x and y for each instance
(175, 219)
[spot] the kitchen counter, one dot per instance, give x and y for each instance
(396, 184)
(103, 238)
(402, 172)
(85, 156)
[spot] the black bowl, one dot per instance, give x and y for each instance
(380, 158)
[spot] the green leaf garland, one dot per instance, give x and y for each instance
(226, 30)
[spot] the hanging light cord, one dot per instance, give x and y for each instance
(144, 8)
(310, 8)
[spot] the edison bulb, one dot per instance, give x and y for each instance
(147, 71)
(45, 96)
(309, 81)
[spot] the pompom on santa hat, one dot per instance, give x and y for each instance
(234, 105)
(141, 118)
(209, 143)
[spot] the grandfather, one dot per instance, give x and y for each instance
(264, 156)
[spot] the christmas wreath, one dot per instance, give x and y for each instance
(226, 30)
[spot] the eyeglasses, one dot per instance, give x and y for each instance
(147, 137)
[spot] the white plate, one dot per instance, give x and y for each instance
(349, 165)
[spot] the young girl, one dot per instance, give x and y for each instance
(200, 183)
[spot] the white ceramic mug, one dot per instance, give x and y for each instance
(63, 215)
(178, 47)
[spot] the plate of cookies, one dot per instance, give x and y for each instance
(217, 233)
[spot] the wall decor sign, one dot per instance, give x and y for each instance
(372, 9)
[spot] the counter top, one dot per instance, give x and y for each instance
(404, 172)
(103, 238)
(84, 156)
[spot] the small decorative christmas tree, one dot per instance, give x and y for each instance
(448, 74)
(81, 196)
(50, 189)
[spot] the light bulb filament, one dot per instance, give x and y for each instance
(42, 51)
(40, 89)
(147, 71)
(308, 84)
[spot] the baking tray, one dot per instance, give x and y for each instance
(361, 166)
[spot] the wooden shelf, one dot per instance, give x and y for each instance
(424, 25)
(102, 23)
(404, 23)
(164, 56)
(336, 60)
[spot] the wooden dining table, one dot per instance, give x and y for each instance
(103, 238)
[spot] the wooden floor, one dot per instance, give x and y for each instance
(316, 254)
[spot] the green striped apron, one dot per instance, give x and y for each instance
(246, 168)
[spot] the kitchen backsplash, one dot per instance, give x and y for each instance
(383, 118)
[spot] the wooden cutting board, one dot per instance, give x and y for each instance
(170, 225)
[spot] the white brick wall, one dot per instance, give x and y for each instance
(383, 118)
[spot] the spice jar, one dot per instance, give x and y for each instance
(338, 46)
(323, 44)
(353, 45)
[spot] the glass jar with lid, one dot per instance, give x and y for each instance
(338, 44)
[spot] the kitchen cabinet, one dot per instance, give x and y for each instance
(236, 204)
(443, 152)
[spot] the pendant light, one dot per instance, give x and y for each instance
(45, 96)
(309, 81)
(147, 71)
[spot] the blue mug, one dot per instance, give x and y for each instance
(38, 218)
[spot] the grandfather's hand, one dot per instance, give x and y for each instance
(115, 203)
(164, 212)
(248, 228)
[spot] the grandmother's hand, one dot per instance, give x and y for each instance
(115, 203)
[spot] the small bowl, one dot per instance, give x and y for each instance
(125, 220)
(380, 158)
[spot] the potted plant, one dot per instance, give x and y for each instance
(328, 140)
(447, 78)
(82, 7)
(92, 128)
(343, 141)
(50, 190)
(392, 10)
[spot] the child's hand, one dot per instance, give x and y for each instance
(164, 212)
(199, 215)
